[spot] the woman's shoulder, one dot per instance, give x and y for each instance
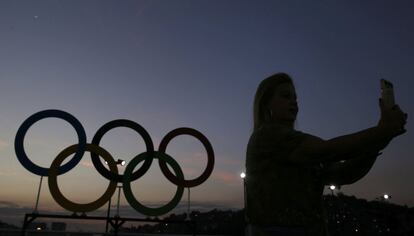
(273, 137)
(276, 131)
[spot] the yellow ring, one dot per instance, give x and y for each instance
(62, 200)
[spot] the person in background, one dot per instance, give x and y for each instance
(288, 169)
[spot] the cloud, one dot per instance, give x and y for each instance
(8, 204)
(87, 164)
(3, 144)
(231, 162)
(193, 158)
(191, 172)
(7, 174)
(225, 176)
(200, 155)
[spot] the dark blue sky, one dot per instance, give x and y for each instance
(167, 64)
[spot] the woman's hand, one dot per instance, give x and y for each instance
(392, 120)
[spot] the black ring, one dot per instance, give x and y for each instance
(129, 124)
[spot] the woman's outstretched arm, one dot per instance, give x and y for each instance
(354, 169)
(314, 149)
(349, 171)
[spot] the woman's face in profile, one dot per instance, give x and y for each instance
(283, 105)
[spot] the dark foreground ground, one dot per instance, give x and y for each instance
(346, 215)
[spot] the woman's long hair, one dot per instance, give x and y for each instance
(264, 93)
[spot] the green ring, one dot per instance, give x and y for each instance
(57, 194)
(130, 196)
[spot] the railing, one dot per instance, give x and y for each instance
(116, 223)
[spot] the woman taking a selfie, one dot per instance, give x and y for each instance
(287, 169)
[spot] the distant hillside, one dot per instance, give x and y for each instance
(346, 215)
(7, 226)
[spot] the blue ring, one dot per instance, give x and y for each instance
(21, 132)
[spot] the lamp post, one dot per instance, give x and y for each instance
(119, 196)
(385, 199)
(332, 188)
(243, 177)
(120, 163)
(38, 195)
(247, 228)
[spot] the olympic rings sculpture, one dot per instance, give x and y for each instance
(112, 175)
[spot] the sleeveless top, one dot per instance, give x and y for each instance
(280, 193)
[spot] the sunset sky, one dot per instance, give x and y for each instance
(170, 64)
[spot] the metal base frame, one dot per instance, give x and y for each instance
(116, 222)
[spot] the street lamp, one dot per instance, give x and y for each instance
(120, 162)
(332, 188)
(383, 198)
(243, 175)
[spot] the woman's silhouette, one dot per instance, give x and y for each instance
(287, 169)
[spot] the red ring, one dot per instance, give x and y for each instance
(210, 155)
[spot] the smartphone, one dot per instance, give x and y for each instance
(387, 93)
